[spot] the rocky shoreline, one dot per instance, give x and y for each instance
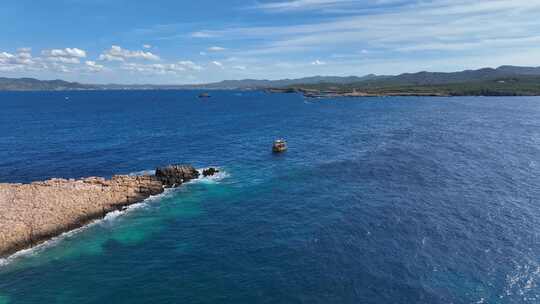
(33, 213)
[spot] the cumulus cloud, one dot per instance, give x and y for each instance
(6, 57)
(57, 67)
(139, 67)
(54, 60)
(190, 65)
(24, 50)
(22, 60)
(162, 68)
(318, 62)
(64, 60)
(66, 56)
(67, 52)
(147, 46)
(116, 53)
(68, 60)
(92, 66)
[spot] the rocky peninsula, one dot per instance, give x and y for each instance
(33, 213)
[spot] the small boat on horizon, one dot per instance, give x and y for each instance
(204, 95)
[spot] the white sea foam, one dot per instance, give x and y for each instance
(523, 282)
(47, 244)
(211, 179)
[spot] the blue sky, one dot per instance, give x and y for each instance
(177, 41)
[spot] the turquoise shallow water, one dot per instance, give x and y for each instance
(378, 200)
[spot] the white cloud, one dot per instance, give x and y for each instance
(21, 60)
(54, 60)
(109, 57)
(68, 60)
(432, 35)
(202, 34)
(303, 4)
(65, 56)
(147, 46)
(92, 66)
(57, 67)
(423, 26)
(217, 63)
(6, 57)
(24, 55)
(116, 53)
(24, 50)
(65, 53)
(162, 68)
(146, 68)
(216, 49)
(189, 65)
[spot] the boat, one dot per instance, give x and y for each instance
(279, 146)
(204, 95)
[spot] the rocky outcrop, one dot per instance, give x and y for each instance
(210, 172)
(175, 175)
(33, 213)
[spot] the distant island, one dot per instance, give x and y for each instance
(501, 81)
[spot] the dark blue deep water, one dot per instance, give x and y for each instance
(378, 200)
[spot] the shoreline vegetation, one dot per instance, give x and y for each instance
(499, 87)
(36, 212)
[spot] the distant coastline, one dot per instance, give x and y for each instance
(502, 81)
(312, 93)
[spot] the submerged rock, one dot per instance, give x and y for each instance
(175, 175)
(210, 172)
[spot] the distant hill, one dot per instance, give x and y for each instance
(420, 78)
(264, 84)
(502, 81)
(435, 78)
(31, 84)
(368, 81)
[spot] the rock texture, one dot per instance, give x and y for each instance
(210, 172)
(33, 213)
(175, 175)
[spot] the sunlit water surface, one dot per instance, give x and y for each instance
(378, 200)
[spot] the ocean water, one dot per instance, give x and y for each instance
(378, 200)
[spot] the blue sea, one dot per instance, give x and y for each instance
(377, 200)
